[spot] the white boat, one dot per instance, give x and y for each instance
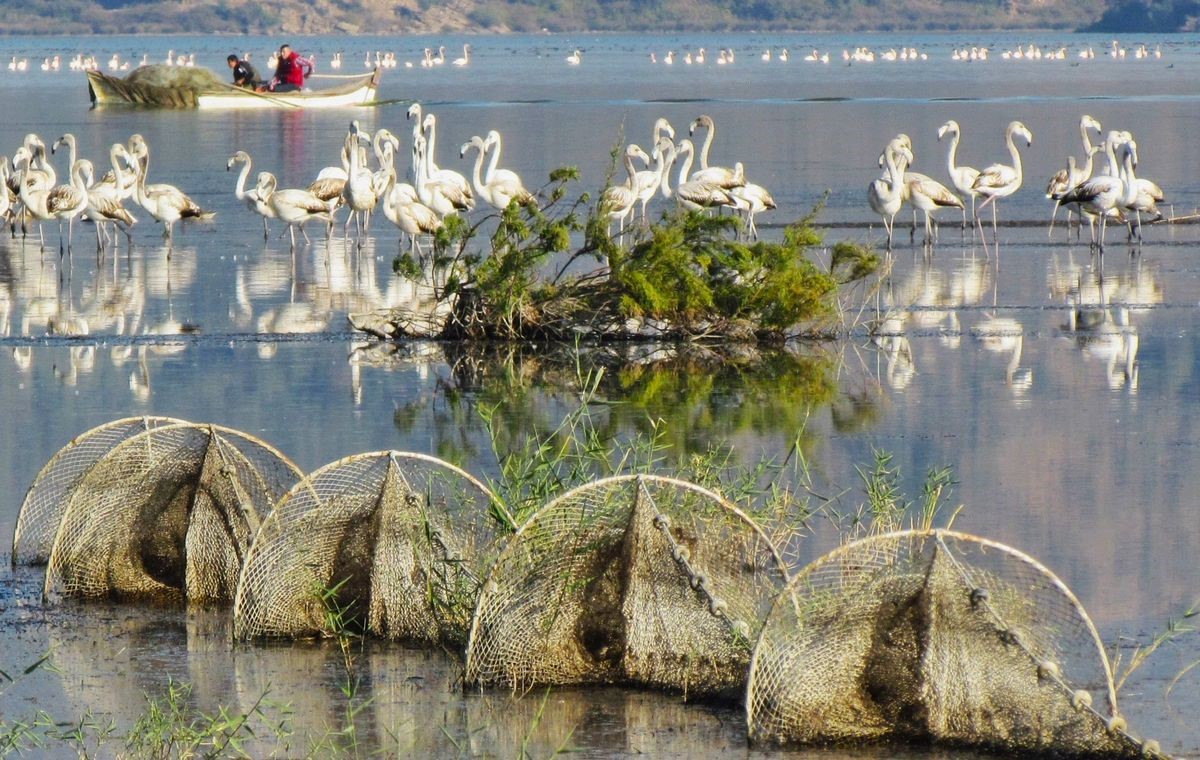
(209, 93)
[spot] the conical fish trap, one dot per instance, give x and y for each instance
(403, 539)
(166, 515)
(634, 579)
(42, 510)
(934, 635)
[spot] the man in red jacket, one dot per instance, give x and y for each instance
(291, 70)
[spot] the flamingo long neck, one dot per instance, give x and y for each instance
(1110, 150)
(708, 138)
(952, 154)
(494, 161)
(686, 167)
(631, 181)
(1130, 179)
(1016, 157)
(895, 173)
(69, 139)
(239, 191)
(1088, 165)
(430, 143)
(475, 176)
(665, 181)
(1087, 140)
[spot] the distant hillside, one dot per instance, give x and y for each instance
(419, 16)
(1149, 16)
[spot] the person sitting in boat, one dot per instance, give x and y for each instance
(244, 73)
(291, 71)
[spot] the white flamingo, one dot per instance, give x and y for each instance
(1002, 180)
(294, 207)
(1140, 194)
(1065, 179)
(404, 209)
(435, 173)
(67, 202)
(359, 191)
(753, 199)
(716, 175)
(498, 187)
(1100, 195)
(104, 198)
(885, 194)
(698, 194)
(166, 203)
(466, 57)
(443, 197)
(575, 58)
(617, 201)
(250, 197)
(962, 177)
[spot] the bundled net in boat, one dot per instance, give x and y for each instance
(394, 543)
(166, 515)
(160, 85)
(632, 579)
(46, 499)
(934, 635)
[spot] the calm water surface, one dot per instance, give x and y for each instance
(1061, 388)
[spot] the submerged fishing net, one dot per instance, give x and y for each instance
(632, 579)
(395, 544)
(159, 85)
(166, 515)
(46, 499)
(933, 635)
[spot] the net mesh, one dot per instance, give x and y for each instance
(42, 510)
(632, 579)
(166, 515)
(933, 635)
(403, 539)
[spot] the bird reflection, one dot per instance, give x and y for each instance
(1100, 310)
(1006, 335)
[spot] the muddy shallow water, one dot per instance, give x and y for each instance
(1060, 387)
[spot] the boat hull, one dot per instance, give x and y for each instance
(106, 90)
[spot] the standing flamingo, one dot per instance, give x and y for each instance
(962, 177)
(1002, 180)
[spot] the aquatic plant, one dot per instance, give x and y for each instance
(686, 275)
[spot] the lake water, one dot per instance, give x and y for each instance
(1061, 387)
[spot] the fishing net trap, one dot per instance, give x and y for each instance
(394, 543)
(935, 636)
(166, 515)
(632, 579)
(42, 510)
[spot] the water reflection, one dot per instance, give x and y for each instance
(1100, 309)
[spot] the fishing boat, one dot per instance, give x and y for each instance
(173, 87)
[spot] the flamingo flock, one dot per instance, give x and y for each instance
(34, 194)
(1117, 194)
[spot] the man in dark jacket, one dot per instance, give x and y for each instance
(244, 74)
(291, 70)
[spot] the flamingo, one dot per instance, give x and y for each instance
(443, 197)
(1140, 194)
(1001, 180)
(104, 198)
(359, 191)
(1101, 195)
(753, 199)
(717, 175)
(617, 201)
(962, 177)
(164, 202)
(885, 194)
(66, 202)
(498, 187)
(294, 207)
(251, 198)
(1065, 179)
(698, 194)
(466, 57)
(404, 209)
(433, 172)
(574, 58)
